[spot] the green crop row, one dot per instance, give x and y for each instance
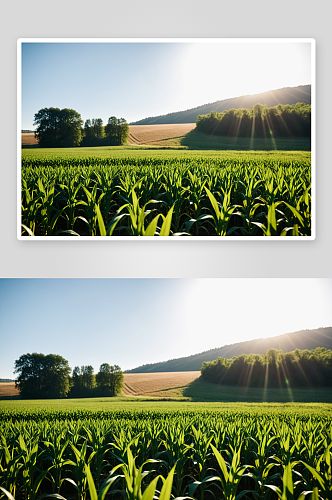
(141, 196)
(198, 455)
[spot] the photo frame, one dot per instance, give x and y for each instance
(194, 212)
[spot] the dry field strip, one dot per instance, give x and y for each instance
(153, 384)
(150, 134)
(28, 139)
(135, 384)
(7, 389)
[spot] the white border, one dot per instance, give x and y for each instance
(312, 41)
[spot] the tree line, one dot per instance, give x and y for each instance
(58, 128)
(49, 377)
(274, 368)
(259, 121)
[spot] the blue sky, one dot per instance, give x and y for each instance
(131, 322)
(138, 80)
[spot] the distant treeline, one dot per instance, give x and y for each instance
(114, 133)
(58, 128)
(43, 376)
(259, 121)
(6, 380)
(274, 368)
(85, 384)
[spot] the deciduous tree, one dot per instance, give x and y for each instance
(42, 376)
(82, 378)
(58, 127)
(117, 130)
(110, 379)
(97, 128)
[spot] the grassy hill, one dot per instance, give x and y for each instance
(304, 339)
(286, 95)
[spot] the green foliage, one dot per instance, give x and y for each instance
(199, 195)
(273, 369)
(259, 122)
(93, 132)
(42, 376)
(198, 453)
(58, 127)
(116, 131)
(110, 379)
(82, 381)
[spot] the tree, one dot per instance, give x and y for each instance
(93, 132)
(87, 376)
(117, 130)
(110, 379)
(42, 376)
(111, 128)
(97, 128)
(259, 121)
(76, 379)
(82, 378)
(123, 131)
(58, 127)
(87, 130)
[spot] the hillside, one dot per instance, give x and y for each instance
(286, 95)
(304, 339)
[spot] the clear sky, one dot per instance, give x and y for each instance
(138, 80)
(131, 322)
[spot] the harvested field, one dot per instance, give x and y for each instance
(7, 389)
(154, 134)
(28, 139)
(157, 384)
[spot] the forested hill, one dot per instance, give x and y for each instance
(304, 339)
(286, 95)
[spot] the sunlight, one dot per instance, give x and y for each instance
(284, 124)
(271, 132)
(210, 310)
(266, 382)
(252, 133)
(214, 71)
(289, 389)
(248, 376)
(303, 372)
(237, 126)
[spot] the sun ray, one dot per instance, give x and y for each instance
(252, 133)
(266, 381)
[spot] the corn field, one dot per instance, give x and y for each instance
(164, 196)
(158, 454)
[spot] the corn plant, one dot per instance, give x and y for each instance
(222, 213)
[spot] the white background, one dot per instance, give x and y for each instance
(165, 18)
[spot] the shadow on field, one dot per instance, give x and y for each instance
(201, 391)
(198, 140)
(9, 398)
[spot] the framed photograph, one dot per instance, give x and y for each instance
(189, 139)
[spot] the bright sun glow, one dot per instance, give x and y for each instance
(215, 71)
(227, 311)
